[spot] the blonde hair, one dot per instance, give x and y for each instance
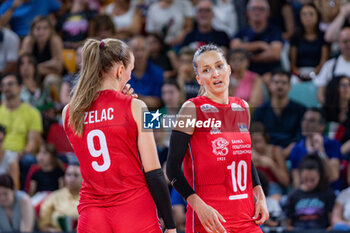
(98, 57)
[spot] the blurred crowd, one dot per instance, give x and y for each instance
(290, 60)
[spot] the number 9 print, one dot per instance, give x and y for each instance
(97, 153)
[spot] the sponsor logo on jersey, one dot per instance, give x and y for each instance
(215, 130)
(151, 120)
(236, 107)
(242, 127)
(208, 108)
(220, 146)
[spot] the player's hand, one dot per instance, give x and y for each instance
(210, 219)
(261, 210)
(170, 231)
(208, 216)
(129, 91)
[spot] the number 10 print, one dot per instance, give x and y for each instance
(238, 180)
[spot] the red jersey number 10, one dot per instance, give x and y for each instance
(97, 153)
(239, 181)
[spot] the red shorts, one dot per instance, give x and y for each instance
(139, 215)
(193, 225)
(228, 230)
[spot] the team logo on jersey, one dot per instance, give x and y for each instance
(220, 146)
(151, 120)
(236, 107)
(209, 108)
(242, 127)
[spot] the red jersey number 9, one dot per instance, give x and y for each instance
(97, 153)
(239, 181)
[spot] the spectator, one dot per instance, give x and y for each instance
(312, 126)
(310, 205)
(47, 48)
(62, 203)
(204, 32)
(337, 110)
(335, 66)
(101, 27)
(92, 5)
(280, 115)
(273, 224)
(341, 211)
(146, 78)
(20, 13)
(260, 38)
(33, 91)
(172, 97)
(8, 160)
(73, 25)
(69, 79)
(308, 50)
(329, 11)
(23, 122)
(225, 16)
(269, 160)
(172, 19)
(126, 17)
(244, 83)
(160, 55)
(16, 211)
(342, 20)
(185, 73)
(337, 100)
(281, 14)
(9, 47)
(49, 176)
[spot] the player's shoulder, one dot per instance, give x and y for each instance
(239, 101)
(188, 109)
(64, 111)
(189, 103)
(137, 103)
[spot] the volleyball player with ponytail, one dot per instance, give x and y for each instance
(122, 179)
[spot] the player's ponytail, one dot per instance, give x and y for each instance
(98, 57)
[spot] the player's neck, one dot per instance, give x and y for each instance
(109, 84)
(220, 99)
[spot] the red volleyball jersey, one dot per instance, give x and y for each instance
(217, 164)
(107, 152)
